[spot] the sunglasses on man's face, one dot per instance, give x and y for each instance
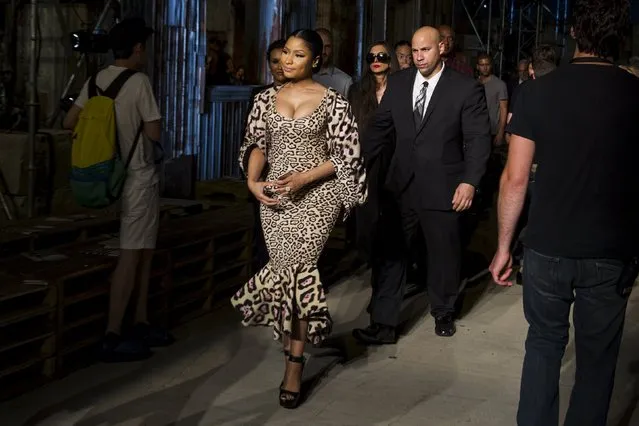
(382, 57)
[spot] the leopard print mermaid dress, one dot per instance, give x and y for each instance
(296, 231)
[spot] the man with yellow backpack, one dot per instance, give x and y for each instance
(116, 121)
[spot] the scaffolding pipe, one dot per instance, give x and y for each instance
(511, 17)
(452, 14)
(490, 24)
(33, 106)
(565, 29)
(540, 6)
(521, 12)
(501, 39)
(472, 23)
(359, 46)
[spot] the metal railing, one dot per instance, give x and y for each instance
(222, 131)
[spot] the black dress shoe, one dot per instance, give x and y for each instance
(152, 336)
(445, 326)
(114, 348)
(376, 334)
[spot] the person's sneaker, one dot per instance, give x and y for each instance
(154, 337)
(114, 348)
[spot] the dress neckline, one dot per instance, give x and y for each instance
(317, 108)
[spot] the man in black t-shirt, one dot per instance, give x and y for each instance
(580, 122)
(544, 61)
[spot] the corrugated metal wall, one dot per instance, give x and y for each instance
(180, 72)
(222, 131)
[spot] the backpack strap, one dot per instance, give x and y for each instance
(93, 87)
(135, 145)
(115, 87)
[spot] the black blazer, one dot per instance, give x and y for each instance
(451, 146)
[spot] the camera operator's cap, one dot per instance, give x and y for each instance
(129, 32)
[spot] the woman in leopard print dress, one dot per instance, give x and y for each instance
(307, 145)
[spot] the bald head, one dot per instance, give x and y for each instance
(448, 37)
(430, 33)
(427, 49)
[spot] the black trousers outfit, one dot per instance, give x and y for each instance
(442, 236)
(551, 285)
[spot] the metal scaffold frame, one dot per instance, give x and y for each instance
(529, 20)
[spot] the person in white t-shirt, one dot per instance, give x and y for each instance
(135, 106)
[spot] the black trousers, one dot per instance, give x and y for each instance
(441, 231)
(551, 285)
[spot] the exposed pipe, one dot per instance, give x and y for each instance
(359, 46)
(418, 15)
(564, 29)
(511, 17)
(470, 18)
(490, 26)
(378, 20)
(521, 14)
(452, 14)
(32, 106)
(479, 8)
(271, 14)
(501, 39)
(539, 22)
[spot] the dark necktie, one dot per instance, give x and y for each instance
(418, 110)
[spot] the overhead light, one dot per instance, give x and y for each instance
(84, 41)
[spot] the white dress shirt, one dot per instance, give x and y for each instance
(432, 83)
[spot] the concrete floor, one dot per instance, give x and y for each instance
(222, 374)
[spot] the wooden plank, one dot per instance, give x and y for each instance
(24, 314)
(23, 366)
(80, 345)
(93, 318)
(25, 342)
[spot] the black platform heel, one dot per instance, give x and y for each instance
(288, 399)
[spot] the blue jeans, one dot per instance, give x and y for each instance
(551, 285)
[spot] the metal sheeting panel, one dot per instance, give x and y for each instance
(222, 131)
(180, 62)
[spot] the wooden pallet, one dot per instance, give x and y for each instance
(223, 192)
(213, 255)
(27, 335)
(51, 232)
(52, 329)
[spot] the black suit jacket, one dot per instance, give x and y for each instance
(451, 146)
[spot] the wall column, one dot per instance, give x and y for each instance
(264, 25)
(299, 14)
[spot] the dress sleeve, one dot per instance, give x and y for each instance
(256, 134)
(344, 152)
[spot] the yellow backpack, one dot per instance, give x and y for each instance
(97, 170)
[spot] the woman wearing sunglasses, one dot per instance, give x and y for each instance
(365, 96)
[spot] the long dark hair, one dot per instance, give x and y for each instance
(363, 95)
(313, 42)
